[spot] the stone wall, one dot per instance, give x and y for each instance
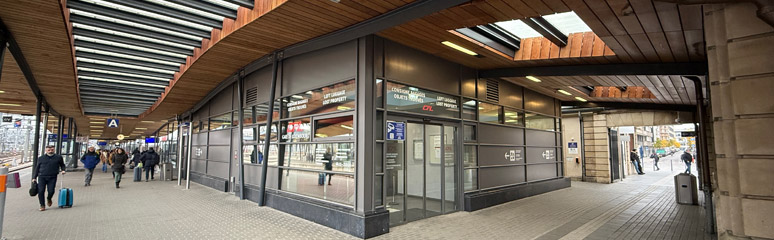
(596, 149)
(739, 49)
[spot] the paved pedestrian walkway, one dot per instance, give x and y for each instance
(639, 207)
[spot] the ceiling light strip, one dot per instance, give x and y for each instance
(127, 56)
(133, 24)
(115, 64)
(134, 36)
(120, 81)
(122, 74)
(127, 46)
(149, 14)
(223, 4)
(188, 9)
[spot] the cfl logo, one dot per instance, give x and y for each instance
(427, 108)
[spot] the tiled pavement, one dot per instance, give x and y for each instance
(640, 207)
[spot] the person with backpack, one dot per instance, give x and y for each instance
(150, 159)
(119, 159)
(90, 159)
(655, 160)
(687, 159)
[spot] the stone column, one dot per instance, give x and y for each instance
(596, 148)
(739, 49)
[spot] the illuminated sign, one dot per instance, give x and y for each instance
(411, 99)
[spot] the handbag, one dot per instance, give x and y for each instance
(34, 189)
(139, 165)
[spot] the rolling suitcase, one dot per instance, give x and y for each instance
(137, 174)
(321, 179)
(65, 196)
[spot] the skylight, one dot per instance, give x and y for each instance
(518, 28)
(567, 22)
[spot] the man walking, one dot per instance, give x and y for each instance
(150, 159)
(636, 161)
(655, 160)
(687, 159)
(46, 170)
(90, 160)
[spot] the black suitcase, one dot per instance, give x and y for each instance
(137, 174)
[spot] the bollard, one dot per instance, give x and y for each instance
(3, 178)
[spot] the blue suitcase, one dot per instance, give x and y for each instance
(321, 179)
(65, 196)
(137, 174)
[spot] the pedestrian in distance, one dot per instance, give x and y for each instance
(103, 158)
(655, 160)
(687, 159)
(328, 159)
(119, 159)
(44, 174)
(636, 161)
(150, 159)
(137, 164)
(90, 159)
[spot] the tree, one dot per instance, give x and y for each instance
(674, 143)
(659, 143)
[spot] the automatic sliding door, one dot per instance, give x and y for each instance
(433, 170)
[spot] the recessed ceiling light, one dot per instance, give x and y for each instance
(10, 104)
(96, 122)
(459, 48)
(534, 79)
(564, 92)
(141, 128)
(1, 91)
(580, 99)
(146, 121)
(96, 130)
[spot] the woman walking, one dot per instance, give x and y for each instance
(119, 159)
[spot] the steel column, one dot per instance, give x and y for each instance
(36, 142)
(59, 132)
(269, 116)
(240, 96)
(179, 158)
(188, 158)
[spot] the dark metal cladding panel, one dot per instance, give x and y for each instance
(218, 153)
(198, 166)
(541, 138)
(319, 68)
(253, 176)
(420, 69)
(235, 147)
(199, 152)
(221, 103)
(511, 95)
(493, 134)
(259, 80)
(217, 169)
(468, 84)
(202, 114)
(537, 102)
(540, 172)
(199, 139)
(498, 155)
(541, 155)
(500, 176)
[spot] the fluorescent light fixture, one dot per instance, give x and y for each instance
(224, 4)
(345, 126)
(133, 24)
(459, 48)
(534, 79)
(119, 81)
(564, 92)
(187, 9)
(149, 14)
(97, 126)
(343, 108)
(1, 91)
(580, 99)
(10, 104)
(141, 128)
(128, 46)
(146, 121)
(96, 122)
(109, 63)
(121, 55)
(297, 97)
(95, 130)
(127, 35)
(121, 74)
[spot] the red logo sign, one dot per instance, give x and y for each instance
(427, 108)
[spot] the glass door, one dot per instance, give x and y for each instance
(421, 172)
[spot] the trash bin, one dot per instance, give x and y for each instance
(166, 171)
(685, 189)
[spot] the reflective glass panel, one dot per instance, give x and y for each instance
(338, 188)
(471, 179)
(222, 121)
(541, 122)
(298, 130)
(512, 117)
(469, 110)
(333, 127)
(488, 113)
(338, 157)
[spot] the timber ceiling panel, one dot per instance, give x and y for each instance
(637, 31)
(15, 93)
(254, 34)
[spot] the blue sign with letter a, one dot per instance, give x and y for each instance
(112, 122)
(396, 131)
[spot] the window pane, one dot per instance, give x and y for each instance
(220, 122)
(249, 155)
(469, 110)
(248, 117)
(470, 158)
(273, 154)
(379, 93)
(298, 130)
(262, 130)
(470, 133)
(411, 99)
(488, 113)
(513, 117)
(471, 179)
(248, 134)
(339, 157)
(262, 109)
(333, 127)
(337, 97)
(379, 125)
(539, 122)
(338, 188)
(378, 185)
(378, 157)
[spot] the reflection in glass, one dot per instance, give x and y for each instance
(222, 121)
(273, 154)
(469, 110)
(333, 127)
(470, 133)
(450, 173)
(262, 131)
(378, 190)
(541, 122)
(488, 113)
(379, 93)
(337, 97)
(470, 158)
(338, 157)
(249, 155)
(298, 130)
(471, 179)
(248, 134)
(512, 117)
(248, 117)
(262, 109)
(340, 188)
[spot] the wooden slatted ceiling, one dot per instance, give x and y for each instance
(635, 30)
(665, 89)
(271, 25)
(15, 87)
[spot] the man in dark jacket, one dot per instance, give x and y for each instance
(636, 161)
(687, 159)
(150, 159)
(90, 160)
(44, 174)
